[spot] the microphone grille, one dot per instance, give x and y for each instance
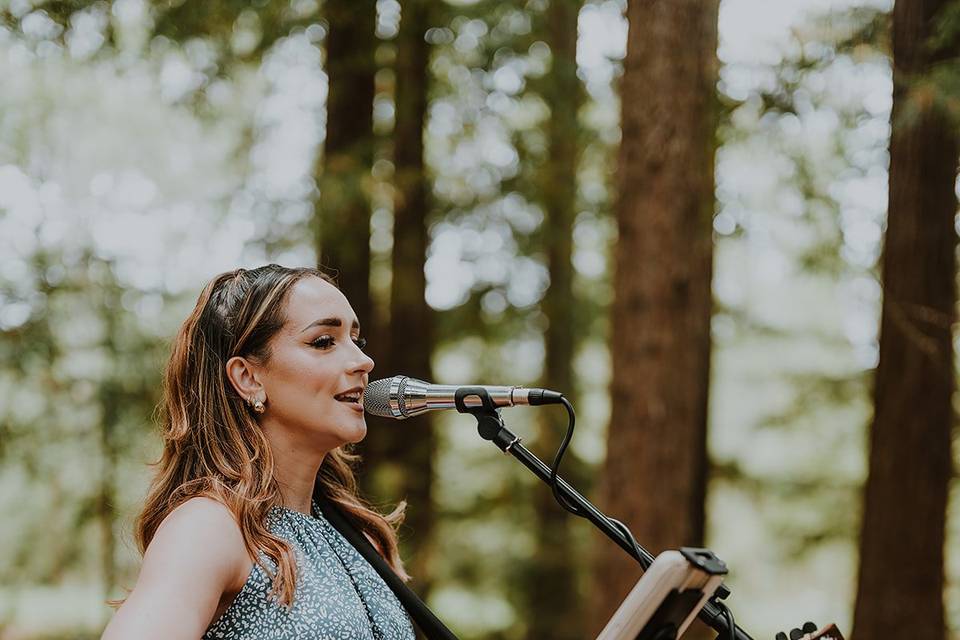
(376, 398)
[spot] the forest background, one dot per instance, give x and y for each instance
(463, 165)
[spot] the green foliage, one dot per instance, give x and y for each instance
(58, 12)
(241, 31)
(75, 400)
(946, 33)
(83, 335)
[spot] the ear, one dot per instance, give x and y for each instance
(244, 377)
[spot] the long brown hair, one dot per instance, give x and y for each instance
(212, 444)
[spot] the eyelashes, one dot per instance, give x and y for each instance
(327, 341)
(323, 342)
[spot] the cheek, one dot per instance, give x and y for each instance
(318, 375)
(300, 375)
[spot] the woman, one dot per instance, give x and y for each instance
(262, 392)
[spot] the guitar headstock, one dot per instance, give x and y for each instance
(809, 631)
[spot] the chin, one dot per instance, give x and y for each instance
(357, 434)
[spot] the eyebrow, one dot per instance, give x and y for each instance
(330, 322)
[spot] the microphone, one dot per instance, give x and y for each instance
(402, 397)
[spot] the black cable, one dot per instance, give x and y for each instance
(621, 527)
(728, 614)
(638, 552)
(558, 458)
(562, 500)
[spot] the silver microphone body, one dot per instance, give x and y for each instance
(403, 397)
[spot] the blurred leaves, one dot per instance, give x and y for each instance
(199, 156)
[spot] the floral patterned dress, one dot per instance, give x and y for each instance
(338, 596)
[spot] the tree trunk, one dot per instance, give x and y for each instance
(111, 399)
(900, 588)
(654, 478)
(343, 210)
(554, 601)
(401, 466)
(107, 495)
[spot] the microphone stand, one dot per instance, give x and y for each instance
(491, 427)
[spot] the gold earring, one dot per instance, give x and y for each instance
(258, 406)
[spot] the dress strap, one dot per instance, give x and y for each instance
(428, 622)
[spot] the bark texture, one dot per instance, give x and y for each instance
(553, 598)
(343, 210)
(900, 588)
(654, 478)
(402, 466)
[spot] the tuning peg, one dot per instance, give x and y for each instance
(809, 627)
(795, 634)
(780, 636)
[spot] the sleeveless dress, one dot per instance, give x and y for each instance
(338, 596)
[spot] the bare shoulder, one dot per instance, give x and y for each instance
(195, 560)
(204, 532)
(200, 513)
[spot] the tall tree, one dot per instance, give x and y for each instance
(553, 599)
(900, 588)
(343, 209)
(410, 334)
(654, 478)
(111, 403)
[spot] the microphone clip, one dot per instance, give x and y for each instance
(490, 424)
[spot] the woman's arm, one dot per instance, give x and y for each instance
(196, 557)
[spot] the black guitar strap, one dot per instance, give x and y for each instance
(425, 619)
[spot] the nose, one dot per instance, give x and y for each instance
(363, 363)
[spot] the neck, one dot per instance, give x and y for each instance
(297, 460)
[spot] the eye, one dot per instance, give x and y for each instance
(323, 342)
(360, 342)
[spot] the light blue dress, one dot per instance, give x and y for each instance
(338, 596)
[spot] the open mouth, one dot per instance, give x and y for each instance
(350, 396)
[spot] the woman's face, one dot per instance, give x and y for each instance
(316, 373)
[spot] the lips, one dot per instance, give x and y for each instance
(350, 396)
